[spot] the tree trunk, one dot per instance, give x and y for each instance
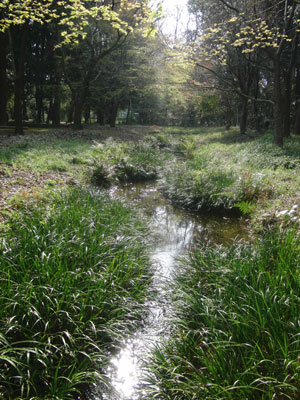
(129, 113)
(18, 108)
(78, 108)
(50, 112)
(18, 36)
(297, 119)
(243, 115)
(228, 125)
(287, 106)
(278, 106)
(39, 104)
(3, 78)
(114, 112)
(70, 115)
(100, 115)
(87, 113)
(24, 112)
(258, 117)
(56, 107)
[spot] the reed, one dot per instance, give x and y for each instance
(73, 281)
(220, 171)
(236, 332)
(116, 162)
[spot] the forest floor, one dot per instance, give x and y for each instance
(23, 180)
(212, 170)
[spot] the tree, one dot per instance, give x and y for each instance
(3, 77)
(73, 19)
(265, 28)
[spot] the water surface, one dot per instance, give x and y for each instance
(175, 232)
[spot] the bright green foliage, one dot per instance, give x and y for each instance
(247, 25)
(74, 15)
(73, 279)
(236, 332)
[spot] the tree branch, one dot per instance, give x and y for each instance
(233, 88)
(229, 6)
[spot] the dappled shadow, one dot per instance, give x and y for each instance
(212, 135)
(262, 142)
(231, 137)
(64, 139)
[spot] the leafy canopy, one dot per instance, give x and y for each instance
(74, 15)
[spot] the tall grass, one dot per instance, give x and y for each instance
(116, 162)
(221, 171)
(236, 333)
(73, 281)
(212, 188)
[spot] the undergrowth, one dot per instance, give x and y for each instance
(236, 329)
(73, 280)
(219, 170)
(116, 162)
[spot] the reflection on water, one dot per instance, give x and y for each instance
(176, 231)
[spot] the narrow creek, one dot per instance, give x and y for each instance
(176, 231)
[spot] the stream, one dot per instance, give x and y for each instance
(176, 231)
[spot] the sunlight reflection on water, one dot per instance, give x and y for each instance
(176, 231)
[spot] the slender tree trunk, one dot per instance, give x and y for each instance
(129, 115)
(297, 119)
(79, 94)
(78, 108)
(287, 106)
(18, 39)
(278, 106)
(101, 115)
(79, 98)
(24, 112)
(243, 115)
(39, 104)
(18, 105)
(57, 77)
(70, 116)
(40, 77)
(56, 107)
(50, 111)
(87, 113)
(3, 78)
(228, 124)
(258, 118)
(114, 112)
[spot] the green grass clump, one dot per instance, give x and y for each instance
(216, 189)
(236, 330)
(73, 282)
(116, 162)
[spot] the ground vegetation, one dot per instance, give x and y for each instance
(75, 267)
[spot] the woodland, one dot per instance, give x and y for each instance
(149, 200)
(78, 62)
